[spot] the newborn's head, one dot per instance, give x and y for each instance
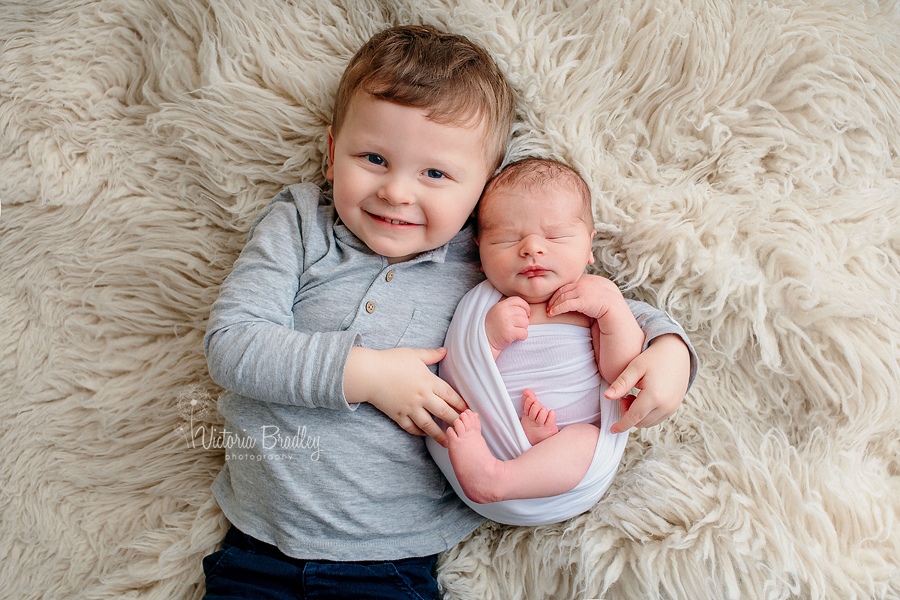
(535, 228)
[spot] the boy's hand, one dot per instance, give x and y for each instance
(398, 383)
(507, 322)
(661, 372)
(594, 296)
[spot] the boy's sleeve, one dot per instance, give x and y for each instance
(655, 323)
(251, 345)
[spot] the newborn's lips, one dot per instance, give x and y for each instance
(533, 271)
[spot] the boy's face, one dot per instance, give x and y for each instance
(531, 243)
(404, 184)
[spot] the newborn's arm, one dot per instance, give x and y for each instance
(618, 338)
(506, 322)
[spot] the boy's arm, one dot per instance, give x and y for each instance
(251, 345)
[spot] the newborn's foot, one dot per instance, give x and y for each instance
(476, 468)
(538, 422)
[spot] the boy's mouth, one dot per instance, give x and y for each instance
(389, 221)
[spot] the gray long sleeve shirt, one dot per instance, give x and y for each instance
(306, 471)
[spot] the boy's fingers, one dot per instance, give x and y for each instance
(625, 402)
(431, 355)
(412, 427)
(433, 430)
(449, 395)
(630, 418)
(627, 380)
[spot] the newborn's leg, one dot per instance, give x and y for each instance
(551, 467)
(475, 467)
(538, 422)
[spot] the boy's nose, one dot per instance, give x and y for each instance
(395, 191)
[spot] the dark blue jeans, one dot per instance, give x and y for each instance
(248, 568)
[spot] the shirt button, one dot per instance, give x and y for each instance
(370, 307)
(389, 276)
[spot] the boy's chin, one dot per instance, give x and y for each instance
(393, 252)
(393, 260)
(399, 255)
(402, 254)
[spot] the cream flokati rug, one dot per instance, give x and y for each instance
(745, 162)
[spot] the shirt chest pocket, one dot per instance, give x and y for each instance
(424, 330)
(383, 326)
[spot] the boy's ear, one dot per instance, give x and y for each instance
(329, 173)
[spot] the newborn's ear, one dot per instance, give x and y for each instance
(590, 247)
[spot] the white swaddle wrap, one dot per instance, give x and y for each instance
(558, 379)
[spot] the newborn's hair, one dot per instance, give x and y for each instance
(536, 173)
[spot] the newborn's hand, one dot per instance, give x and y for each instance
(506, 322)
(591, 295)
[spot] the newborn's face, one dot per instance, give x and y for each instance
(533, 243)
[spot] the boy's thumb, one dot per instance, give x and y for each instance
(432, 355)
(626, 381)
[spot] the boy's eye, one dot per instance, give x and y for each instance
(375, 159)
(434, 174)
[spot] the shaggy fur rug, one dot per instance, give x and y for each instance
(745, 162)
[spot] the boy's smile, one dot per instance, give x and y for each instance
(404, 184)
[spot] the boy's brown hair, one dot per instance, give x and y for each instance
(533, 173)
(455, 80)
